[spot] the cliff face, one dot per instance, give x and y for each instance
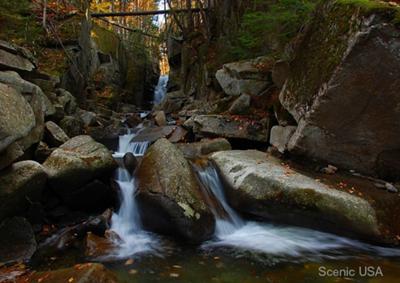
(105, 65)
(343, 89)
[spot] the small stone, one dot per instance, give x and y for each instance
(160, 118)
(330, 170)
(391, 188)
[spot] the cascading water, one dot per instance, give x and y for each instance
(126, 222)
(279, 241)
(161, 89)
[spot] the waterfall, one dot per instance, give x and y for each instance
(161, 89)
(227, 220)
(126, 222)
(280, 241)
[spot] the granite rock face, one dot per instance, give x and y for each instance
(170, 192)
(347, 101)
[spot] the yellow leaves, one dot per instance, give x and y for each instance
(129, 261)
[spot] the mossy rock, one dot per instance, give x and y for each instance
(166, 181)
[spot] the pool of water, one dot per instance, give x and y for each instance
(193, 264)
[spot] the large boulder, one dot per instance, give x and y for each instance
(262, 185)
(17, 240)
(76, 163)
(250, 77)
(170, 194)
(20, 184)
(17, 117)
(82, 273)
(343, 87)
(38, 103)
(229, 127)
(28, 89)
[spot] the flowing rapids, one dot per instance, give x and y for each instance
(279, 241)
(126, 222)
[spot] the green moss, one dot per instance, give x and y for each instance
(107, 41)
(371, 6)
(318, 56)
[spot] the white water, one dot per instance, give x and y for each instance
(281, 241)
(161, 89)
(125, 145)
(126, 222)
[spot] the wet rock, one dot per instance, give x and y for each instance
(160, 118)
(76, 163)
(241, 105)
(21, 183)
(343, 87)
(17, 240)
(204, 147)
(101, 246)
(54, 135)
(170, 194)
(229, 127)
(251, 77)
(82, 273)
(68, 236)
(130, 162)
(17, 117)
(262, 185)
(133, 120)
(72, 126)
(280, 137)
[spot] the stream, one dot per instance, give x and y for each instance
(241, 250)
